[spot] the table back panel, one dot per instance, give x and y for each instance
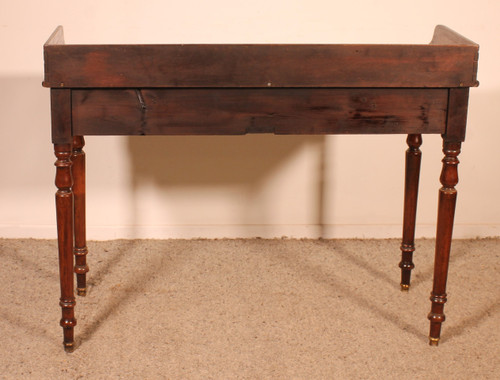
(241, 111)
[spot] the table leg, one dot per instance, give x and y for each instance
(80, 249)
(446, 213)
(412, 174)
(64, 212)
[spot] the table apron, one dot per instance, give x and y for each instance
(235, 111)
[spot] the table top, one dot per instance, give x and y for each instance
(449, 60)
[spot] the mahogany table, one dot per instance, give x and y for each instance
(239, 89)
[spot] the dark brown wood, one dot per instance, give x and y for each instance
(238, 111)
(80, 249)
(446, 36)
(446, 214)
(239, 89)
(64, 212)
(61, 116)
(270, 65)
(56, 38)
(412, 175)
(455, 134)
(457, 117)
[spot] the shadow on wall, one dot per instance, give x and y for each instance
(208, 161)
(248, 161)
(27, 158)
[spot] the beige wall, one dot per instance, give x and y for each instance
(338, 186)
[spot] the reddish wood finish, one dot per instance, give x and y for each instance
(457, 114)
(413, 158)
(455, 134)
(438, 65)
(238, 89)
(442, 64)
(240, 111)
(64, 210)
(446, 213)
(80, 250)
(61, 115)
(446, 36)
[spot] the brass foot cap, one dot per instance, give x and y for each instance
(81, 292)
(433, 341)
(69, 347)
(405, 287)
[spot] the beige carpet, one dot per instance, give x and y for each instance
(250, 309)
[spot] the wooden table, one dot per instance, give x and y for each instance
(240, 89)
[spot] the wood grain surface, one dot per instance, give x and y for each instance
(236, 111)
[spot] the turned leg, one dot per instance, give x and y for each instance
(80, 249)
(412, 174)
(446, 213)
(64, 212)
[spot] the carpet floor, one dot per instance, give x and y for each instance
(250, 309)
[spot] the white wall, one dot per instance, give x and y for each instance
(338, 186)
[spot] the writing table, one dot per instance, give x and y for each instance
(239, 89)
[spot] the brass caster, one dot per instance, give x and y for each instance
(433, 341)
(69, 347)
(405, 287)
(81, 292)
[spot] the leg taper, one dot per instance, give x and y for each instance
(446, 213)
(412, 174)
(80, 249)
(64, 211)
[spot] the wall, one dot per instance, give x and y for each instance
(336, 186)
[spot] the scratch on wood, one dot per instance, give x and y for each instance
(141, 100)
(142, 104)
